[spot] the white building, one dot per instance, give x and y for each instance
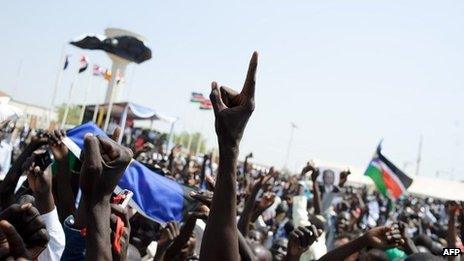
(34, 115)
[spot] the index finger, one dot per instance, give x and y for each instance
(249, 86)
(92, 156)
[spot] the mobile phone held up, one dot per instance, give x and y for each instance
(43, 159)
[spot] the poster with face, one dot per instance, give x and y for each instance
(328, 176)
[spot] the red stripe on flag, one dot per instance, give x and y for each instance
(392, 186)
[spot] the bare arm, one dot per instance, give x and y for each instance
(247, 214)
(378, 237)
(8, 185)
(65, 198)
(232, 111)
(453, 209)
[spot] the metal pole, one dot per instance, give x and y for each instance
(66, 110)
(122, 124)
(289, 144)
(81, 117)
(110, 104)
(95, 112)
(57, 84)
(171, 135)
(419, 155)
(189, 141)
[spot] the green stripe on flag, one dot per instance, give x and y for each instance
(376, 175)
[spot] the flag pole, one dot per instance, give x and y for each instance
(68, 103)
(292, 128)
(81, 117)
(95, 112)
(57, 84)
(110, 104)
(202, 124)
(419, 156)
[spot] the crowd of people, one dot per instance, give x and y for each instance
(64, 210)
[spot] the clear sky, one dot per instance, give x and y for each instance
(348, 73)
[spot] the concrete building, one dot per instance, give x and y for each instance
(34, 115)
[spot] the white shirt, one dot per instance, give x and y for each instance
(300, 217)
(57, 241)
(5, 157)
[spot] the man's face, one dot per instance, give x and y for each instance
(279, 249)
(328, 177)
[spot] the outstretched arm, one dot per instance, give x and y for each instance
(378, 237)
(232, 111)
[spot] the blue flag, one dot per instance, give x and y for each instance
(155, 196)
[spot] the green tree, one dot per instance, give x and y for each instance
(195, 138)
(73, 114)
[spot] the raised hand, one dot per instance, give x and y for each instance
(383, 237)
(264, 179)
(344, 177)
(201, 212)
(314, 175)
(39, 139)
(40, 182)
(309, 167)
(59, 150)
(231, 109)
(300, 240)
(266, 201)
(409, 245)
(204, 196)
(22, 222)
(452, 207)
(104, 162)
(103, 165)
(168, 234)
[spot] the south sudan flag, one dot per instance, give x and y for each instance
(389, 180)
(155, 196)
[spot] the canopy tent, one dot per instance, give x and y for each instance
(128, 110)
(134, 111)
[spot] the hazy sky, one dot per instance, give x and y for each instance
(348, 73)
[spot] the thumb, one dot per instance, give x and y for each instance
(116, 134)
(15, 242)
(216, 99)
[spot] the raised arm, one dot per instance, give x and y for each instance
(453, 210)
(8, 185)
(316, 193)
(103, 165)
(232, 111)
(65, 198)
(245, 217)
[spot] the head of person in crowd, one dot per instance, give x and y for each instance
(328, 177)
(279, 249)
